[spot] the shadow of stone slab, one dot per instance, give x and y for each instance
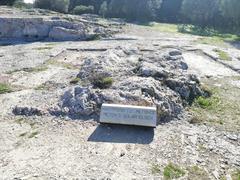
(122, 134)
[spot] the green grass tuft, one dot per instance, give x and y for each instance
(19, 120)
(236, 175)
(162, 27)
(5, 88)
(196, 173)
(23, 134)
(206, 102)
(223, 55)
(33, 134)
(155, 169)
(43, 48)
(172, 171)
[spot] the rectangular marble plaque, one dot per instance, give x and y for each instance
(128, 115)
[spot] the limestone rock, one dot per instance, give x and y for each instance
(27, 111)
(145, 80)
(79, 101)
(61, 33)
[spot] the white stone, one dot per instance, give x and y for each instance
(128, 115)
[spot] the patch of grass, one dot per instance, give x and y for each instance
(43, 48)
(195, 120)
(216, 41)
(19, 120)
(223, 55)
(23, 134)
(206, 102)
(221, 110)
(29, 70)
(172, 171)
(236, 175)
(41, 87)
(201, 147)
(5, 88)
(196, 173)
(32, 124)
(163, 27)
(155, 169)
(35, 69)
(209, 36)
(61, 64)
(75, 81)
(33, 134)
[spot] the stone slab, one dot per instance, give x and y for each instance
(128, 115)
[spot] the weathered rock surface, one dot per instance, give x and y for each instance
(58, 28)
(140, 78)
(27, 111)
(39, 28)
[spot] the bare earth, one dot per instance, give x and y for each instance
(50, 147)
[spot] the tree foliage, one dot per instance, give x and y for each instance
(218, 14)
(200, 12)
(7, 2)
(83, 10)
(231, 10)
(55, 5)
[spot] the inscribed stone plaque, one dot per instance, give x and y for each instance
(129, 115)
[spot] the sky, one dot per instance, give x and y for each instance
(28, 1)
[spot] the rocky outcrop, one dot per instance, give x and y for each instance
(27, 111)
(40, 28)
(139, 78)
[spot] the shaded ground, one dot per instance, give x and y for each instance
(49, 147)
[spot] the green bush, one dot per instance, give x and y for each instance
(78, 10)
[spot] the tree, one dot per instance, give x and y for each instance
(83, 10)
(200, 12)
(231, 10)
(134, 10)
(7, 2)
(55, 5)
(170, 11)
(103, 9)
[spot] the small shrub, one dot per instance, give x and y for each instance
(195, 120)
(172, 171)
(207, 102)
(5, 88)
(102, 81)
(78, 10)
(203, 102)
